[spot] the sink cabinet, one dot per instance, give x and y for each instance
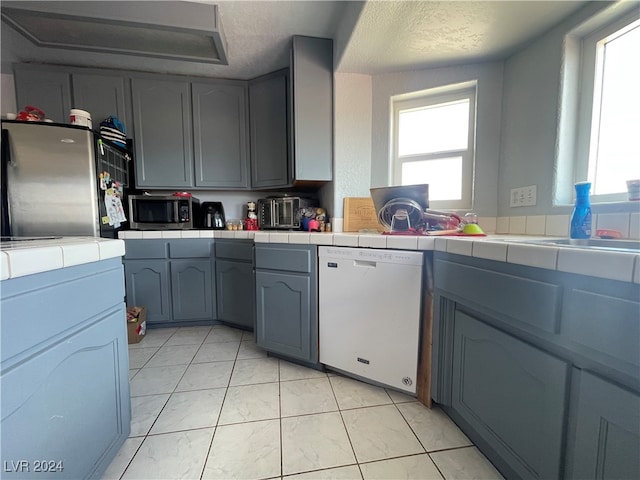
(173, 279)
(287, 301)
(539, 367)
(235, 284)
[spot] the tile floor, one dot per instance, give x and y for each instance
(208, 404)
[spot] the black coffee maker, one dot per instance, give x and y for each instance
(213, 215)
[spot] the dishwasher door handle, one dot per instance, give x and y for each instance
(364, 263)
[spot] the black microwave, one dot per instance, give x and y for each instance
(163, 212)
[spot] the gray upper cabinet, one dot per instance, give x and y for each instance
(268, 97)
(162, 132)
(220, 136)
(102, 95)
(48, 90)
(312, 92)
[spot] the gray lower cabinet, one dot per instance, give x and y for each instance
(235, 283)
(174, 279)
(148, 285)
(162, 132)
(606, 438)
(48, 90)
(268, 102)
(503, 387)
(538, 367)
(286, 300)
(65, 403)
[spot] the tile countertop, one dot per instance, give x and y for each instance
(623, 266)
(20, 258)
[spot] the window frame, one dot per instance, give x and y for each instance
(427, 98)
(576, 106)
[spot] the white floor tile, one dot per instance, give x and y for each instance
(312, 395)
(173, 355)
(245, 451)
(255, 370)
(222, 333)
(351, 472)
(355, 394)
(155, 337)
(435, 430)
(190, 410)
(414, 467)
(248, 336)
(200, 376)
(398, 397)
(171, 455)
(248, 403)
(117, 467)
(145, 411)
(379, 433)
(249, 349)
(465, 464)
(154, 380)
(188, 336)
(217, 352)
(138, 357)
(313, 442)
(291, 371)
(132, 372)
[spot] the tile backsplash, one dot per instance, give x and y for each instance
(628, 224)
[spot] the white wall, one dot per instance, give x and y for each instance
(7, 94)
(530, 119)
(489, 105)
(352, 139)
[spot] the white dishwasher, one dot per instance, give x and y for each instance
(369, 313)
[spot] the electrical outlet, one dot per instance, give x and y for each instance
(523, 196)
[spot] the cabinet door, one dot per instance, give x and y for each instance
(312, 82)
(47, 90)
(69, 403)
(192, 291)
(220, 135)
(283, 313)
(147, 284)
(269, 130)
(512, 395)
(607, 434)
(101, 95)
(235, 292)
(162, 130)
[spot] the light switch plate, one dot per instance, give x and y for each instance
(523, 196)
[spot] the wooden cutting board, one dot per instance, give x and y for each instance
(360, 214)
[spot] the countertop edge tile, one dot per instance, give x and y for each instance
(636, 272)
(612, 265)
(490, 250)
(345, 240)
(27, 261)
(79, 254)
(460, 246)
(402, 242)
(540, 256)
(5, 271)
(111, 248)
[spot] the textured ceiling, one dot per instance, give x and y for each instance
(371, 37)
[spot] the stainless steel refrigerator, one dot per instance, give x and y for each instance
(61, 180)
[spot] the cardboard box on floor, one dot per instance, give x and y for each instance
(136, 323)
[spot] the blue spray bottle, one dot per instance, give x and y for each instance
(581, 216)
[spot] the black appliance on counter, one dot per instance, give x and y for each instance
(212, 216)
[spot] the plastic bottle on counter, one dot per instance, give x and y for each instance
(581, 216)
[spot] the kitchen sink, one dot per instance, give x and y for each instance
(632, 246)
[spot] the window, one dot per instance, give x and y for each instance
(433, 142)
(600, 109)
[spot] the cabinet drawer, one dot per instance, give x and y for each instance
(289, 258)
(190, 248)
(140, 249)
(235, 250)
(533, 302)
